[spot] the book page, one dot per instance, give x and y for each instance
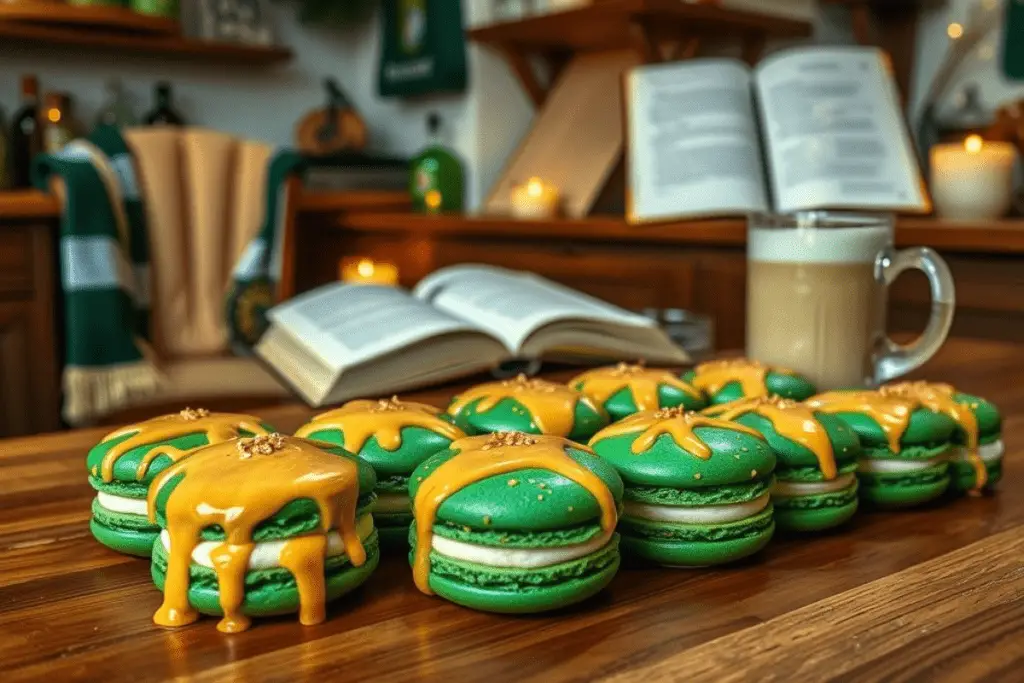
(511, 305)
(693, 142)
(834, 131)
(347, 324)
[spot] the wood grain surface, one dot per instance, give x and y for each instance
(935, 594)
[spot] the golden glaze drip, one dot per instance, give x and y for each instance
(891, 411)
(481, 457)
(790, 419)
(601, 384)
(237, 485)
(677, 423)
(552, 406)
(218, 427)
(714, 376)
(939, 397)
(385, 419)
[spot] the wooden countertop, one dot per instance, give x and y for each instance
(933, 594)
(1004, 236)
(20, 204)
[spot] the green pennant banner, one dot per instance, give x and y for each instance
(423, 48)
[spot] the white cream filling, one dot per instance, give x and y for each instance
(989, 452)
(392, 502)
(895, 466)
(813, 488)
(267, 554)
(131, 506)
(515, 558)
(706, 514)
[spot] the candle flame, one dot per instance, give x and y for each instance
(365, 268)
(535, 187)
(973, 144)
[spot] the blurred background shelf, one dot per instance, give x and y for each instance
(117, 42)
(86, 17)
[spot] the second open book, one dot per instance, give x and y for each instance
(808, 128)
(343, 341)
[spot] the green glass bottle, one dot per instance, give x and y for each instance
(437, 178)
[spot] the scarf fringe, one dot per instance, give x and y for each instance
(90, 393)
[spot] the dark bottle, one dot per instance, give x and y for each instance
(26, 134)
(163, 114)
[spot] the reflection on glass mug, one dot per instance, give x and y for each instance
(816, 297)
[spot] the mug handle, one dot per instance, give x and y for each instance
(892, 359)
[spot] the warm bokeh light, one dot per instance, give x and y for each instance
(365, 268)
(973, 144)
(535, 187)
(433, 199)
(954, 30)
(53, 114)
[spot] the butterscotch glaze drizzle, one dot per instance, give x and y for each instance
(552, 406)
(791, 419)
(714, 376)
(385, 419)
(481, 457)
(601, 384)
(890, 411)
(218, 427)
(939, 397)
(677, 423)
(237, 485)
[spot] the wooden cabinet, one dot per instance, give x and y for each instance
(29, 377)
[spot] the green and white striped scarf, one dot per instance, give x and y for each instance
(105, 275)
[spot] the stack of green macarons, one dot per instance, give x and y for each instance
(817, 455)
(273, 487)
(725, 381)
(697, 489)
(905, 445)
(394, 437)
(623, 390)
(122, 466)
(518, 527)
(533, 406)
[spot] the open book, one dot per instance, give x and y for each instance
(342, 341)
(822, 124)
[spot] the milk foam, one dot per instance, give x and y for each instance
(817, 245)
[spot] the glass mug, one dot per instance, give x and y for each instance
(817, 293)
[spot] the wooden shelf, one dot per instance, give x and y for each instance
(175, 47)
(999, 237)
(21, 204)
(353, 200)
(611, 24)
(86, 16)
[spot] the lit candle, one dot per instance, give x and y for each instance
(972, 180)
(369, 272)
(534, 199)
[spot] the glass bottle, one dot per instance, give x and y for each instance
(116, 111)
(436, 175)
(163, 113)
(26, 134)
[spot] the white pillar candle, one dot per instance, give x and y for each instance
(534, 199)
(972, 180)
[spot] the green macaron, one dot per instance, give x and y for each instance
(905, 446)
(623, 389)
(990, 445)
(269, 588)
(816, 469)
(532, 406)
(119, 516)
(526, 540)
(394, 437)
(697, 489)
(725, 381)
